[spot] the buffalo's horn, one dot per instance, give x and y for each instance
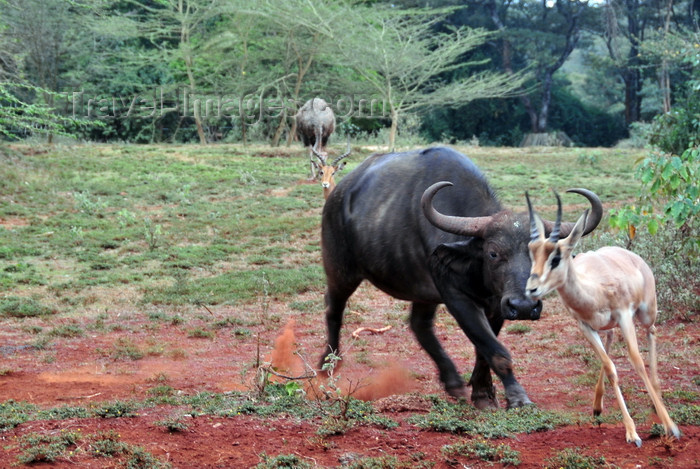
(594, 217)
(534, 233)
(466, 226)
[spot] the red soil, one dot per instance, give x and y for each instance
(389, 369)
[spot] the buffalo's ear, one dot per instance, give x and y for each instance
(457, 257)
(457, 265)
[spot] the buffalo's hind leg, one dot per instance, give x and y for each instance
(422, 319)
(336, 300)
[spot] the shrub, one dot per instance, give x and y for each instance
(14, 306)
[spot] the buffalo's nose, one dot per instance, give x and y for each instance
(523, 308)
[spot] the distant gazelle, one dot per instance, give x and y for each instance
(602, 290)
(327, 170)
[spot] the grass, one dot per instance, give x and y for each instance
(191, 224)
(68, 445)
(464, 419)
(483, 450)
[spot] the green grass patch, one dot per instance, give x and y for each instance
(572, 458)
(483, 450)
(465, 419)
(19, 307)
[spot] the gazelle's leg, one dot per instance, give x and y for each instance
(628, 332)
(653, 359)
(611, 372)
(600, 386)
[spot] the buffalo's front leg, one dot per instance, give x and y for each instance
(422, 317)
(483, 391)
(472, 320)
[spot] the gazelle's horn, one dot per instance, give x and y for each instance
(348, 150)
(554, 235)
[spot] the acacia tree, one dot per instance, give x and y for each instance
(39, 42)
(307, 52)
(175, 27)
(405, 60)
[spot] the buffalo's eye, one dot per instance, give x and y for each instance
(493, 254)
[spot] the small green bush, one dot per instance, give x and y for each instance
(18, 307)
(571, 458)
(283, 461)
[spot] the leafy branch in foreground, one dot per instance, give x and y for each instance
(670, 194)
(20, 118)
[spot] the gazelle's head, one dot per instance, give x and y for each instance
(551, 256)
(327, 170)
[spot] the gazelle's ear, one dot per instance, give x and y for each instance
(341, 166)
(576, 232)
(540, 226)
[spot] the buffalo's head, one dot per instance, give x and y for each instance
(501, 240)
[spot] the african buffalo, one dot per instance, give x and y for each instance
(466, 251)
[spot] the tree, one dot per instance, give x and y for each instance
(175, 27)
(40, 41)
(406, 61)
(540, 35)
(19, 118)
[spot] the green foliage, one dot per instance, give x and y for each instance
(571, 458)
(14, 413)
(107, 445)
(390, 462)
(485, 451)
(19, 119)
(38, 447)
(67, 330)
(679, 130)
(20, 307)
(173, 425)
(124, 347)
(686, 414)
(670, 195)
(116, 409)
(283, 461)
(460, 418)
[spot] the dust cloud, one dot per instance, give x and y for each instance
(361, 384)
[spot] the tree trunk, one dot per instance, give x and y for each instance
(280, 128)
(543, 118)
(392, 129)
(292, 133)
(664, 75)
(633, 99)
(187, 56)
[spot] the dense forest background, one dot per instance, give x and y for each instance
(493, 71)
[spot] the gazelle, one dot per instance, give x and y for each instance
(602, 290)
(327, 171)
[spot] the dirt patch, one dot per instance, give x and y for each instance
(553, 363)
(12, 223)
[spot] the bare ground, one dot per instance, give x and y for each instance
(388, 368)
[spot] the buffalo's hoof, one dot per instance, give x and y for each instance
(521, 401)
(458, 392)
(483, 403)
